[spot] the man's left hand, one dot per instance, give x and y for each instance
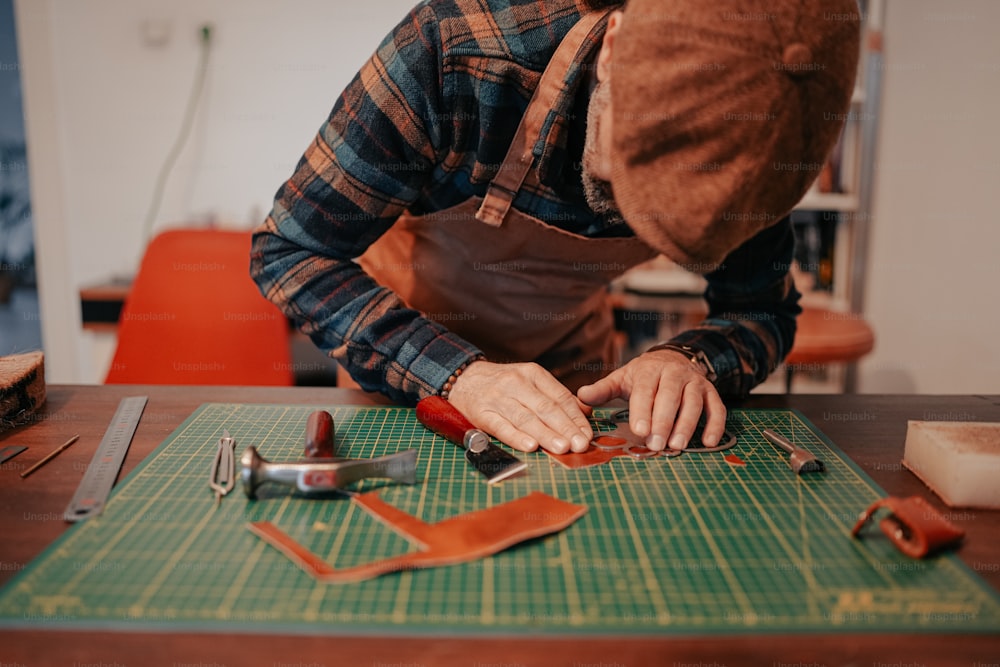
(666, 396)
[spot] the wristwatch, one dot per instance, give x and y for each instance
(696, 357)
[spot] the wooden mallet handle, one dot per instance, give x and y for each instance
(319, 436)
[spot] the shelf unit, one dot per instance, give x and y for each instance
(854, 161)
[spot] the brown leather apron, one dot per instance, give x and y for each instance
(516, 287)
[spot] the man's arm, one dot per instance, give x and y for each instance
(749, 330)
(752, 305)
(366, 165)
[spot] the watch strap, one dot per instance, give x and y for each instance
(695, 356)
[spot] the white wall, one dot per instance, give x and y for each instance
(103, 109)
(933, 292)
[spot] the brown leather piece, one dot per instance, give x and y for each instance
(913, 525)
(592, 457)
(458, 539)
(734, 460)
(605, 448)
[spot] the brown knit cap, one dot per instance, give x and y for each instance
(724, 113)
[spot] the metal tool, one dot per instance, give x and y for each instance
(93, 491)
(223, 475)
(10, 451)
(800, 460)
(325, 474)
(621, 437)
(443, 418)
(51, 455)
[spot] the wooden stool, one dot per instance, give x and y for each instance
(823, 337)
(828, 336)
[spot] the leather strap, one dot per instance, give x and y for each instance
(520, 156)
(455, 540)
(914, 526)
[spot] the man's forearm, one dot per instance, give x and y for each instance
(753, 305)
(384, 345)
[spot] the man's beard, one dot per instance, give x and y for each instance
(597, 191)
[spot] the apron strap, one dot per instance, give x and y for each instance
(516, 165)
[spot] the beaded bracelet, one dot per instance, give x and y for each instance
(446, 389)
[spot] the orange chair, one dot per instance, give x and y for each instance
(194, 316)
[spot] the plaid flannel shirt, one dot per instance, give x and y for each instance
(425, 125)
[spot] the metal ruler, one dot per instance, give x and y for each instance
(93, 491)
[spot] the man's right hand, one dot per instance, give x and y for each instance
(523, 406)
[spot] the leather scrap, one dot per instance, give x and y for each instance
(913, 525)
(733, 459)
(595, 456)
(591, 457)
(458, 539)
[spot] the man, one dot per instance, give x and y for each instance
(495, 164)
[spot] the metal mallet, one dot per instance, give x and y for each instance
(800, 460)
(325, 475)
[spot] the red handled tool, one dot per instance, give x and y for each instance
(443, 418)
(319, 436)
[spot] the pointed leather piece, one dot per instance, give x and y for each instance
(458, 539)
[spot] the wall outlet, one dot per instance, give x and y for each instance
(156, 33)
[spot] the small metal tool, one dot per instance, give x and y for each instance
(325, 475)
(51, 455)
(10, 451)
(800, 460)
(103, 469)
(443, 418)
(223, 476)
(622, 437)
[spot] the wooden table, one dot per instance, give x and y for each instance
(870, 429)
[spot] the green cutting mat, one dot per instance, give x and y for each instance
(683, 545)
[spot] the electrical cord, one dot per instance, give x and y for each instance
(186, 124)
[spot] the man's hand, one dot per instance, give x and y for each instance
(523, 406)
(666, 395)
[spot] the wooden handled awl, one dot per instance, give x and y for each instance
(443, 418)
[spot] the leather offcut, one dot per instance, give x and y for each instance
(458, 539)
